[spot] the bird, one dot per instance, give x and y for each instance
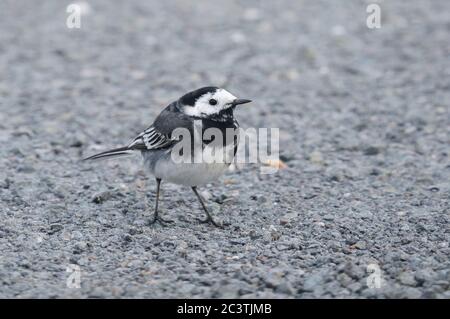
(197, 111)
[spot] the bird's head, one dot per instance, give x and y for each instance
(208, 102)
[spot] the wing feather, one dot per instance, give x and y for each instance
(150, 139)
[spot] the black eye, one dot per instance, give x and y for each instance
(213, 102)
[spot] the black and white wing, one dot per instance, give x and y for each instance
(159, 134)
(150, 139)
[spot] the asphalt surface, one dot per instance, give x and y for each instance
(364, 131)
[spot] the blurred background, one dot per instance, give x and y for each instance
(364, 133)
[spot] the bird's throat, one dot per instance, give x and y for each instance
(223, 116)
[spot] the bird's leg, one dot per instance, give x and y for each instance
(156, 218)
(208, 218)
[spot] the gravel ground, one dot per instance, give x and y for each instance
(364, 131)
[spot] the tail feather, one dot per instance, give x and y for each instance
(121, 151)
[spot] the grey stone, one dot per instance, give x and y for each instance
(407, 278)
(101, 197)
(371, 150)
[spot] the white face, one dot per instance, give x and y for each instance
(204, 106)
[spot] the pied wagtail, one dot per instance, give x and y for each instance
(212, 106)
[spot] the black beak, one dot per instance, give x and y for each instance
(240, 101)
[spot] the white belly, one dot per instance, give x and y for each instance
(208, 169)
(189, 174)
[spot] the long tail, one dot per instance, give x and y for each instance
(121, 151)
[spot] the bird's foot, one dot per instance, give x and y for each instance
(208, 220)
(160, 220)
